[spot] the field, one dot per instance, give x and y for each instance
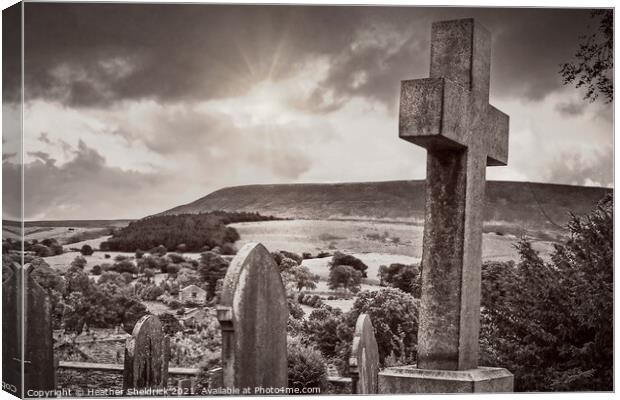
(380, 242)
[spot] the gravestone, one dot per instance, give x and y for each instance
(147, 353)
(253, 313)
(449, 115)
(364, 360)
(38, 357)
(39, 371)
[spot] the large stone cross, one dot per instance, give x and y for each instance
(449, 114)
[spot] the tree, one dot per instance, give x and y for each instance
(286, 264)
(394, 315)
(211, 268)
(346, 277)
(400, 276)
(347, 259)
(302, 277)
(593, 68)
(87, 250)
(125, 266)
(79, 262)
(550, 322)
(96, 270)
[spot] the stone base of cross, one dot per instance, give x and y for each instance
(449, 114)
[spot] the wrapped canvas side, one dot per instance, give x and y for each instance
(12, 202)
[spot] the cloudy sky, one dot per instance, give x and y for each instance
(134, 109)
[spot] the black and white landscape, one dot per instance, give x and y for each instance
(162, 143)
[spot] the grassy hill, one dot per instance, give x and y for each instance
(514, 207)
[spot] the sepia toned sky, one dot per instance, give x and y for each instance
(134, 109)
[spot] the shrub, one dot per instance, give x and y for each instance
(41, 250)
(175, 258)
(550, 322)
(87, 250)
(306, 366)
(400, 276)
(306, 256)
(171, 324)
(175, 304)
(394, 315)
(228, 249)
(57, 249)
(151, 293)
(78, 262)
(139, 254)
(295, 309)
(106, 256)
(96, 270)
(159, 250)
(124, 266)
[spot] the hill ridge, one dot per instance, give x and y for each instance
(526, 205)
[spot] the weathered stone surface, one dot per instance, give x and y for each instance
(450, 116)
(415, 380)
(11, 329)
(39, 373)
(147, 353)
(364, 360)
(252, 313)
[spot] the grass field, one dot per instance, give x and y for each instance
(360, 237)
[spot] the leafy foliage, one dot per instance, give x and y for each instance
(87, 250)
(394, 315)
(193, 231)
(346, 277)
(550, 322)
(212, 268)
(347, 259)
(306, 366)
(400, 276)
(595, 60)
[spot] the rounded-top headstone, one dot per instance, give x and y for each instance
(364, 360)
(253, 313)
(146, 355)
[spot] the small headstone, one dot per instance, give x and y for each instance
(364, 360)
(253, 313)
(146, 355)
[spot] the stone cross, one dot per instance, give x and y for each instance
(449, 114)
(147, 353)
(253, 314)
(11, 329)
(364, 359)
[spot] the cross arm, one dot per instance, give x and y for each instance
(496, 123)
(434, 113)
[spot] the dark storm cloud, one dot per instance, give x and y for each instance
(99, 54)
(84, 180)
